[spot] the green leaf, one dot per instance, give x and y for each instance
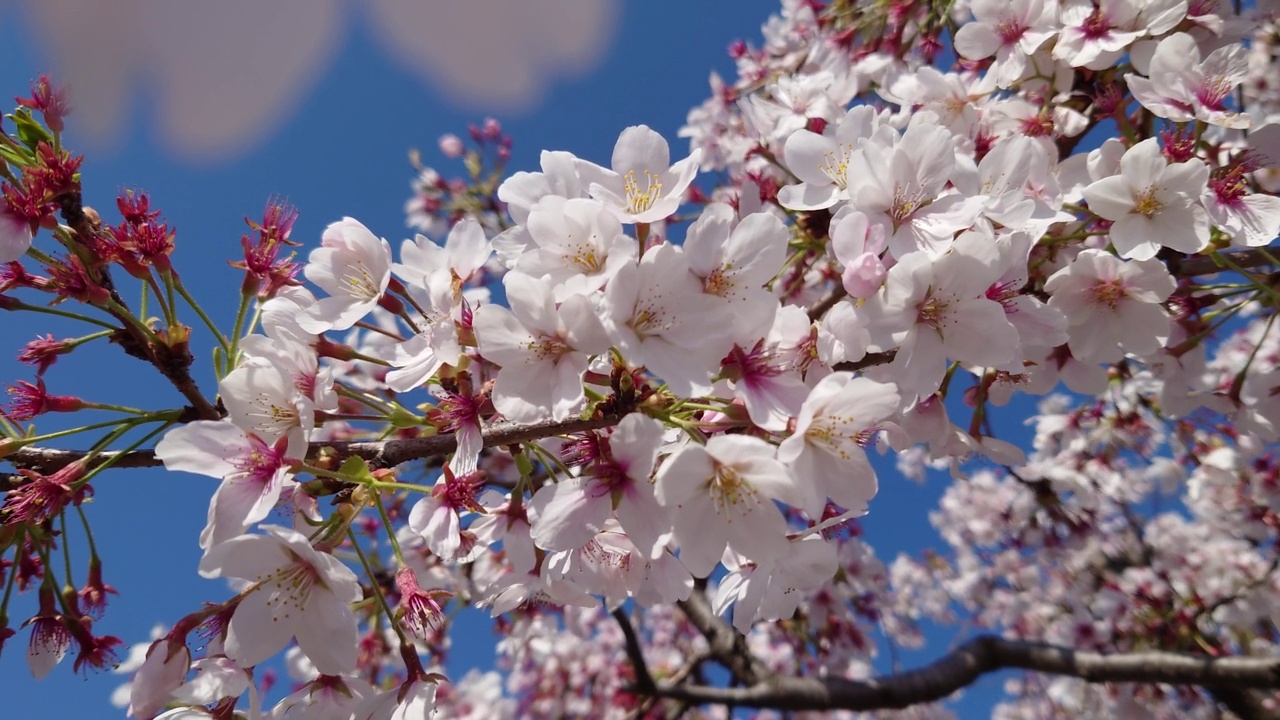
(17, 156)
(30, 132)
(357, 470)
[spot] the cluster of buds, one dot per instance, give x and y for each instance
(438, 203)
(266, 272)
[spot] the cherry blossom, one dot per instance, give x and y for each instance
(642, 186)
(262, 400)
(543, 349)
(1024, 256)
(1013, 32)
(1182, 88)
(658, 316)
(935, 309)
(15, 236)
(1152, 203)
(571, 511)
(722, 494)
(577, 244)
(1128, 293)
(835, 422)
(353, 265)
(822, 161)
(295, 592)
(252, 473)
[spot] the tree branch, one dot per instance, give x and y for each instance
(1206, 265)
(977, 657)
(379, 454)
(644, 679)
(821, 307)
(727, 645)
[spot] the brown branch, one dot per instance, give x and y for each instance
(1246, 704)
(823, 306)
(868, 360)
(644, 684)
(726, 645)
(379, 454)
(1206, 265)
(981, 655)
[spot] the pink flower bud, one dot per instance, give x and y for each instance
(451, 145)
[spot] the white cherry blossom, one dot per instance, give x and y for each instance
(577, 244)
(1112, 306)
(722, 494)
(1181, 87)
(542, 349)
(822, 161)
(252, 473)
(840, 416)
(642, 186)
(1012, 31)
(658, 316)
(1152, 203)
(354, 266)
(295, 592)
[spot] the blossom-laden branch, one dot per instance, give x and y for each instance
(977, 657)
(379, 454)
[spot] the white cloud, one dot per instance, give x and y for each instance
(220, 77)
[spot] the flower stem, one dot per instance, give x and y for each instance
(217, 334)
(241, 311)
(19, 305)
(386, 522)
(377, 589)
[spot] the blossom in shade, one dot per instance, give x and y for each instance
(773, 590)
(1112, 306)
(295, 591)
(164, 670)
(840, 416)
(723, 494)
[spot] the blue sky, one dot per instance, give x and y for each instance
(342, 150)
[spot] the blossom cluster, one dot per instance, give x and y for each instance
(638, 391)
